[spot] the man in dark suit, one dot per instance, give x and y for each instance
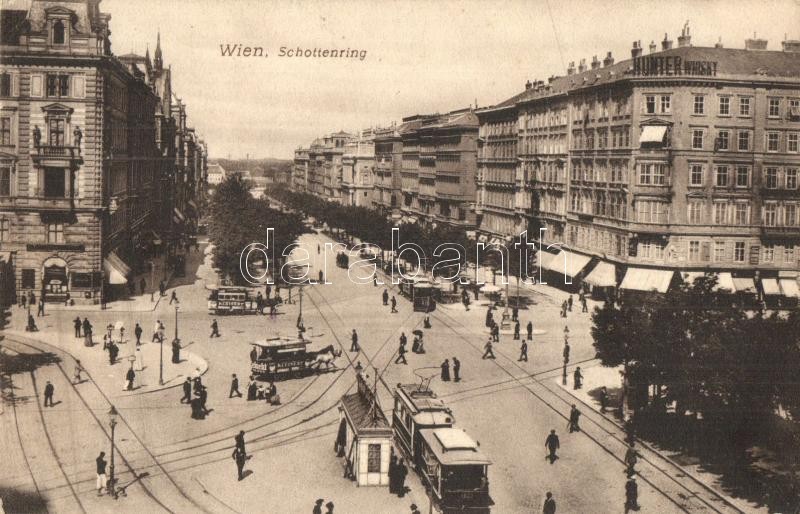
(48, 394)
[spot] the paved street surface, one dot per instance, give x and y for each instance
(508, 406)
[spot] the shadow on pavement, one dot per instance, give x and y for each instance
(21, 363)
(20, 501)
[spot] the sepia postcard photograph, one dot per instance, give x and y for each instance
(400, 256)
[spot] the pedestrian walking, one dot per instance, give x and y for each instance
(385, 297)
(76, 377)
(130, 376)
(240, 458)
(375, 280)
(77, 324)
(496, 333)
(549, 506)
(187, 391)
(401, 353)
(318, 249)
(234, 387)
(631, 495)
(176, 351)
(173, 298)
(214, 329)
(273, 311)
(552, 444)
(156, 332)
(318, 504)
(49, 390)
(631, 457)
(584, 304)
(577, 378)
(523, 352)
(329, 508)
(402, 471)
(603, 399)
(87, 332)
(137, 331)
(23, 300)
(162, 288)
(40, 310)
(574, 418)
(530, 331)
(488, 353)
(445, 371)
(565, 352)
(239, 439)
(142, 285)
(113, 351)
(516, 330)
(203, 394)
(569, 303)
(102, 480)
(354, 342)
(394, 305)
(415, 509)
(456, 370)
(321, 277)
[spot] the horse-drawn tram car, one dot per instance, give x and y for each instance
(448, 461)
(277, 358)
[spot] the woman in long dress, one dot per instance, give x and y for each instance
(139, 360)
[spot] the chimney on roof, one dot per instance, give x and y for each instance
(571, 68)
(755, 43)
(595, 62)
(653, 47)
(550, 79)
(636, 51)
(685, 39)
(667, 43)
(718, 44)
(582, 66)
(528, 85)
(791, 45)
(609, 60)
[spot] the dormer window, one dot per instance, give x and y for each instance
(59, 33)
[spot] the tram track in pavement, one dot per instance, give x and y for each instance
(15, 341)
(706, 504)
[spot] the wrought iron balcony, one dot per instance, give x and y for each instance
(72, 153)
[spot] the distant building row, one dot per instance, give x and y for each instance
(686, 158)
(99, 167)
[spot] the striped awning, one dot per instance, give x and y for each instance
(789, 287)
(116, 269)
(644, 279)
(603, 275)
(724, 279)
(770, 286)
(569, 263)
(744, 285)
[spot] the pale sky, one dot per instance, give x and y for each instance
(422, 56)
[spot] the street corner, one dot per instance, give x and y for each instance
(150, 375)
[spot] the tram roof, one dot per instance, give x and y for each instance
(422, 399)
(278, 342)
(453, 446)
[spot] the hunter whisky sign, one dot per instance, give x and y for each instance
(672, 65)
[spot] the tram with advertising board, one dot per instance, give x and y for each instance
(449, 462)
(236, 300)
(278, 358)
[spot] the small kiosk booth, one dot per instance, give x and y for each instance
(364, 438)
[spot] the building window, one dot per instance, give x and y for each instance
(696, 175)
(651, 212)
(57, 85)
(769, 253)
(724, 106)
(697, 139)
(773, 140)
(650, 104)
(790, 215)
(774, 109)
(771, 175)
(55, 233)
(694, 250)
(5, 230)
(5, 84)
(699, 104)
(5, 131)
(695, 212)
(720, 213)
(5, 181)
(791, 178)
(744, 106)
(56, 131)
(791, 142)
(722, 176)
(788, 254)
(770, 214)
(28, 278)
(719, 251)
(723, 140)
(54, 183)
(59, 33)
(738, 251)
(652, 174)
(742, 213)
(665, 104)
(744, 141)
(742, 176)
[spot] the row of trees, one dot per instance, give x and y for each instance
(731, 367)
(373, 226)
(237, 220)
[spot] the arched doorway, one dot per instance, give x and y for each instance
(55, 281)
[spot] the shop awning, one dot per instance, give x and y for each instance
(567, 262)
(724, 279)
(789, 287)
(603, 275)
(770, 286)
(544, 259)
(653, 134)
(643, 279)
(744, 285)
(116, 269)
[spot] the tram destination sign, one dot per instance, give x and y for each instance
(651, 65)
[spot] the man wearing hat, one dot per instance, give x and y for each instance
(329, 506)
(414, 509)
(318, 506)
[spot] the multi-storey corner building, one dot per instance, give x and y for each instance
(299, 179)
(81, 163)
(439, 159)
(388, 169)
(358, 170)
(332, 168)
(684, 158)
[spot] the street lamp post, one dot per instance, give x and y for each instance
(176, 320)
(161, 355)
(112, 487)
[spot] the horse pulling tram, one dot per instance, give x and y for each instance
(284, 357)
(448, 461)
(236, 300)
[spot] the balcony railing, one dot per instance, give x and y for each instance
(57, 152)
